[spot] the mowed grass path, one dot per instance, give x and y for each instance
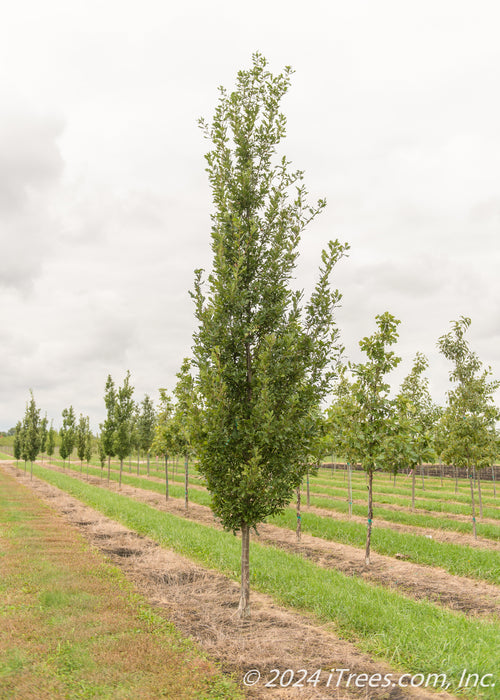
(418, 637)
(70, 626)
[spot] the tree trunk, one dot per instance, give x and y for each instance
(370, 515)
(456, 479)
(147, 462)
(186, 482)
(473, 507)
(138, 458)
(493, 479)
(299, 520)
(422, 475)
(350, 489)
(31, 470)
(121, 469)
(81, 466)
(109, 466)
(394, 480)
(441, 470)
(244, 605)
(479, 493)
(166, 477)
(413, 488)
(308, 490)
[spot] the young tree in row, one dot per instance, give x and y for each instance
(51, 441)
(81, 439)
(109, 425)
(470, 418)
(420, 416)
(182, 421)
(164, 440)
(123, 412)
(371, 420)
(24, 442)
(31, 435)
(18, 444)
(68, 434)
(101, 451)
(262, 355)
(88, 445)
(146, 427)
(84, 441)
(43, 434)
(339, 416)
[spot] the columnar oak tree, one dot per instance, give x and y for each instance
(470, 418)
(263, 356)
(371, 421)
(123, 412)
(146, 427)
(109, 425)
(81, 439)
(32, 433)
(43, 434)
(182, 420)
(163, 441)
(419, 415)
(17, 446)
(68, 433)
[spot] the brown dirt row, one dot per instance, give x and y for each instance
(414, 580)
(202, 604)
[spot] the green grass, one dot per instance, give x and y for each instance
(417, 636)
(71, 625)
(487, 530)
(460, 560)
(426, 504)
(383, 484)
(457, 559)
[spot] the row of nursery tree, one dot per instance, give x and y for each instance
(364, 424)
(266, 360)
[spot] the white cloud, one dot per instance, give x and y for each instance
(105, 210)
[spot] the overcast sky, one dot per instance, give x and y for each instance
(393, 113)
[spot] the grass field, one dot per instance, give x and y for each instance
(378, 619)
(71, 626)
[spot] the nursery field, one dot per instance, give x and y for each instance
(421, 621)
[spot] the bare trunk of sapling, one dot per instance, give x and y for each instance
(413, 488)
(473, 507)
(244, 604)
(299, 520)
(479, 493)
(370, 516)
(166, 477)
(349, 492)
